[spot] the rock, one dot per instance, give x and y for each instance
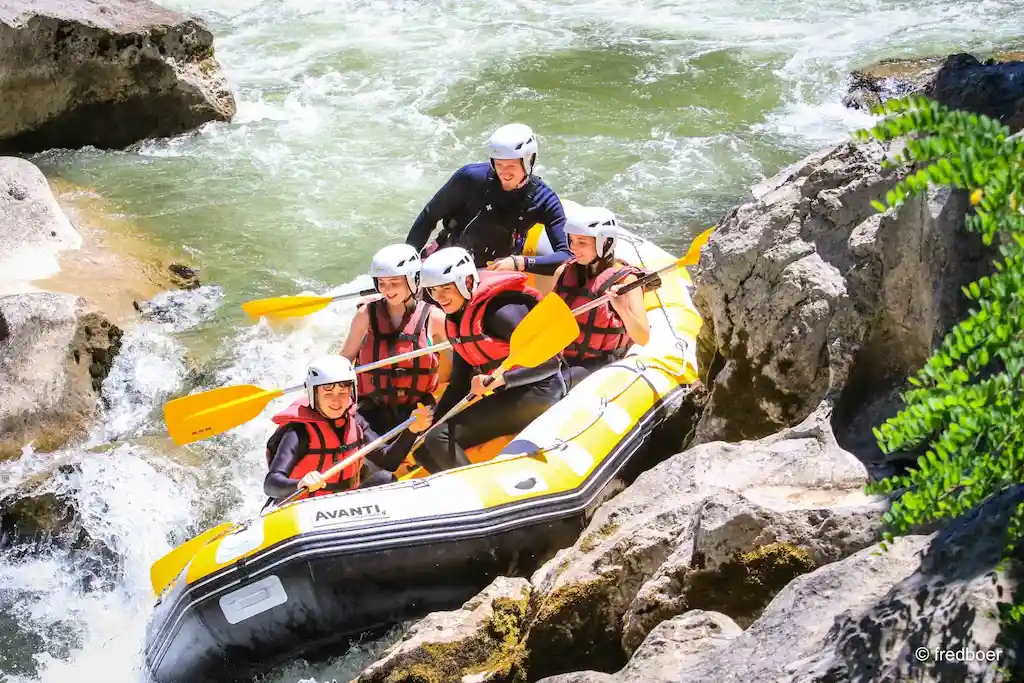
(740, 555)
(793, 624)
(670, 643)
(994, 88)
(809, 295)
(867, 618)
(720, 527)
(480, 642)
(105, 74)
(949, 604)
(184, 277)
(53, 359)
(33, 229)
(34, 518)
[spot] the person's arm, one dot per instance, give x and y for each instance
(458, 386)
(438, 335)
(630, 307)
(443, 203)
(277, 484)
(500, 322)
(391, 455)
(552, 215)
(356, 334)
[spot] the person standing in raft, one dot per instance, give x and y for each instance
(324, 428)
(396, 324)
(481, 312)
(606, 332)
(488, 208)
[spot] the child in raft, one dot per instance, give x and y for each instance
(606, 332)
(397, 323)
(324, 428)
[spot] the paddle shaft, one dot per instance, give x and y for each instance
(358, 455)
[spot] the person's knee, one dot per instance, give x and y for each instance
(378, 478)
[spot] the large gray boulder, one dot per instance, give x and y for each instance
(479, 642)
(721, 527)
(33, 229)
(874, 617)
(994, 87)
(106, 74)
(809, 294)
(55, 352)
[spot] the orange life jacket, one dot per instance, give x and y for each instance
(409, 381)
(325, 447)
(468, 339)
(602, 333)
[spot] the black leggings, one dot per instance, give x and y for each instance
(372, 475)
(500, 414)
(576, 373)
(383, 417)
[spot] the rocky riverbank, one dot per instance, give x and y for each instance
(753, 555)
(76, 73)
(66, 297)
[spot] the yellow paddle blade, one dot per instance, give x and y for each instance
(167, 568)
(543, 333)
(200, 416)
(692, 256)
(286, 306)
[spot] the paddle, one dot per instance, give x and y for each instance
(167, 568)
(542, 334)
(208, 413)
(297, 306)
(200, 416)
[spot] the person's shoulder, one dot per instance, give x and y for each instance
(545, 196)
(477, 171)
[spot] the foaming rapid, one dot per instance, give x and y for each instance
(78, 606)
(350, 115)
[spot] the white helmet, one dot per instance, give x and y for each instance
(450, 265)
(593, 221)
(395, 260)
(514, 141)
(328, 370)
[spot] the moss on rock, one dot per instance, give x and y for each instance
(571, 629)
(497, 648)
(744, 585)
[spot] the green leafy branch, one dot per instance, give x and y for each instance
(967, 402)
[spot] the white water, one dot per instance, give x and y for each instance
(350, 115)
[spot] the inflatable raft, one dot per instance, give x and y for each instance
(305, 578)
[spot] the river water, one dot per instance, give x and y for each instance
(350, 115)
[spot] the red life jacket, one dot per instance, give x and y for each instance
(602, 333)
(324, 449)
(407, 382)
(468, 339)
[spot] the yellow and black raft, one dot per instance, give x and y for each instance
(305, 578)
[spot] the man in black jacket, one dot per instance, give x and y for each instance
(488, 208)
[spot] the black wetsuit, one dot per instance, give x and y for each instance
(490, 222)
(527, 393)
